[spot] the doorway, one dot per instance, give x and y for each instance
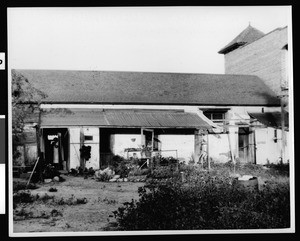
(56, 147)
(246, 145)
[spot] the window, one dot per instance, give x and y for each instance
(217, 116)
(88, 138)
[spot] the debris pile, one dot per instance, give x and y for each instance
(51, 174)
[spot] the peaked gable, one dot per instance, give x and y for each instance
(247, 36)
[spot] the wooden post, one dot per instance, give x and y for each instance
(82, 164)
(197, 146)
(38, 143)
(151, 154)
(208, 159)
(38, 128)
(231, 152)
(32, 172)
(254, 146)
(282, 131)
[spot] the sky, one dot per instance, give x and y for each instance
(152, 39)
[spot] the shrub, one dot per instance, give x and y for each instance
(104, 177)
(116, 160)
(210, 202)
(279, 169)
(135, 171)
(162, 172)
(81, 200)
(50, 172)
(71, 201)
(52, 189)
(23, 196)
(166, 161)
(22, 186)
(120, 166)
(122, 170)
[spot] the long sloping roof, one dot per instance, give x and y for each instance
(121, 118)
(116, 87)
(247, 36)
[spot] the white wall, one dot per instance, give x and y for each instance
(267, 148)
(218, 146)
(74, 147)
(94, 161)
(184, 144)
(123, 141)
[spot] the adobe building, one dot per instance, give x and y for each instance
(116, 113)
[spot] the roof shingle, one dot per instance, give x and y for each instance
(116, 87)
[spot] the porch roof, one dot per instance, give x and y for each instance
(122, 118)
(271, 119)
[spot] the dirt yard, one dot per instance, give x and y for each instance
(95, 215)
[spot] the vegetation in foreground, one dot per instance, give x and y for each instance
(209, 200)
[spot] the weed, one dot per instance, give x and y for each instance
(44, 198)
(52, 189)
(22, 186)
(81, 200)
(103, 177)
(55, 213)
(108, 201)
(71, 201)
(23, 196)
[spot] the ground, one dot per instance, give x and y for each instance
(96, 215)
(87, 205)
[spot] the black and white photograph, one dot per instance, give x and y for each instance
(150, 120)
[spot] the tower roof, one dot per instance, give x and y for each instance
(247, 36)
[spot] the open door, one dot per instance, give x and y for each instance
(246, 145)
(147, 138)
(56, 142)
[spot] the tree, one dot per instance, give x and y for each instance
(25, 103)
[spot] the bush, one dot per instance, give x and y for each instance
(52, 189)
(71, 201)
(116, 160)
(50, 172)
(166, 161)
(44, 198)
(210, 202)
(279, 169)
(104, 177)
(23, 196)
(22, 186)
(135, 171)
(163, 172)
(120, 166)
(122, 170)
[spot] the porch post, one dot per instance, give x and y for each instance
(38, 134)
(38, 142)
(282, 131)
(197, 145)
(81, 144)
